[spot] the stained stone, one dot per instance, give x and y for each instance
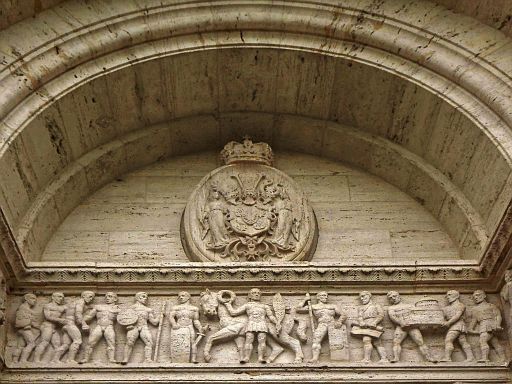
(255, 191)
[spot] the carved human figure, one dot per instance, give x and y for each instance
(52, 313)
(369, 316)
(257, 324)
(454, 315)
(486, 322)
(325, 314)
(186, 316)
(213, 220)
(283, 210)
(506, 295)
(401, 331)
(86, 298)
(105, 315)
(286, 339)
(26, 326)
(142, 314)
(71, 338)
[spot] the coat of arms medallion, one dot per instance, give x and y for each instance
(247, 210)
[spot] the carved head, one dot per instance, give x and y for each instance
(365, 297)
(479, 296)
(452, 296)
(30, 299)
(254, 294)
(209, 303)
(183, 297)
(394, 297)
(88, 296)
(110, 297)
(215, 192)
(141, 297)
(58, 298)
(322, 297)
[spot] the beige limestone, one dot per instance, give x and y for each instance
(360, 216)
(397, 115)
(224, 353)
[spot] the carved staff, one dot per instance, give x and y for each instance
(159, 332)
(310, 309)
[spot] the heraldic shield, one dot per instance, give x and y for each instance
(248, 210)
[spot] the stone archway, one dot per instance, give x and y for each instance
(402, 90)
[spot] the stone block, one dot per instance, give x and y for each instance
(146, 146)
(364, 187)
(193, 134)
(299, 134)
(170, 189)
(121, 217)
(124, 189)
(258, 126)
(304, 83)
(295, 164)
(324, 188)
(247, 80)
(69, 246)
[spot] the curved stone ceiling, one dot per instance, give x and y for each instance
(400, 88)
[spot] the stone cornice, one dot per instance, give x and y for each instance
(256, 373)
(230, 273)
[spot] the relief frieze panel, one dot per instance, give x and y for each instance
(251, 326)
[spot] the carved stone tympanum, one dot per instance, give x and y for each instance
(248, 210)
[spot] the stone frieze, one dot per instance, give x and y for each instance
(213, 327)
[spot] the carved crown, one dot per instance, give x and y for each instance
(247, 151)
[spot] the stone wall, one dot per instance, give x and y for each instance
(136, 218)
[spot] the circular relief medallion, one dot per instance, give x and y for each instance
(248, 211)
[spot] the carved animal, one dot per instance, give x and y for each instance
(231, 328)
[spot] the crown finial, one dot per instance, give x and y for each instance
(247, 151)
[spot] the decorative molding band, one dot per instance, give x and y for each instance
(219, 273)
(256, 373)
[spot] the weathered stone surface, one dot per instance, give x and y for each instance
(392, 116)
(213, 309)
(360, 216)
